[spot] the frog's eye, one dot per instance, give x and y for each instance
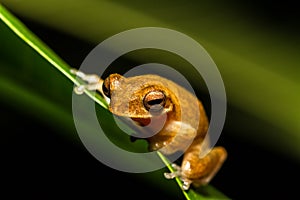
(154, 101)
(105, 87)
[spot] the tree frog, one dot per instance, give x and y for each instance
(153, 99)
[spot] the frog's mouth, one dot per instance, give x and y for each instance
(141, 121)
(154, 122)
(147, 126)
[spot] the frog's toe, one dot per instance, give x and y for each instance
(89, 78)
(91, 87)
(93, 81)
(186, 183)
(79, 89)
(178, 173)
(171, 175)
(175, 173)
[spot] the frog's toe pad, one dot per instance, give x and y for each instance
(177, 173)
(171, 175)
(186, 183)
(79, 89)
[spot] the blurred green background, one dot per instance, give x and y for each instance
(255, 45)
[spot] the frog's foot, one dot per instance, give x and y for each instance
(178, 173)
(94, 82)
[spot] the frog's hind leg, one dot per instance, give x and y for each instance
(94, 82)
(199, 171)
(208, 166)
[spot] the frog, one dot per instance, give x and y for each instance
(155, 100)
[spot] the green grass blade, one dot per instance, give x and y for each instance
(34, 42)
(50, 56)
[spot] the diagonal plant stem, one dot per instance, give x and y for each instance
(41, 48)
(169, 166)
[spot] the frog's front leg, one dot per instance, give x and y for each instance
(178, 173)
(94, 82)
(196, 170)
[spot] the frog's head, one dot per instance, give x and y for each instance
(139, 97)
